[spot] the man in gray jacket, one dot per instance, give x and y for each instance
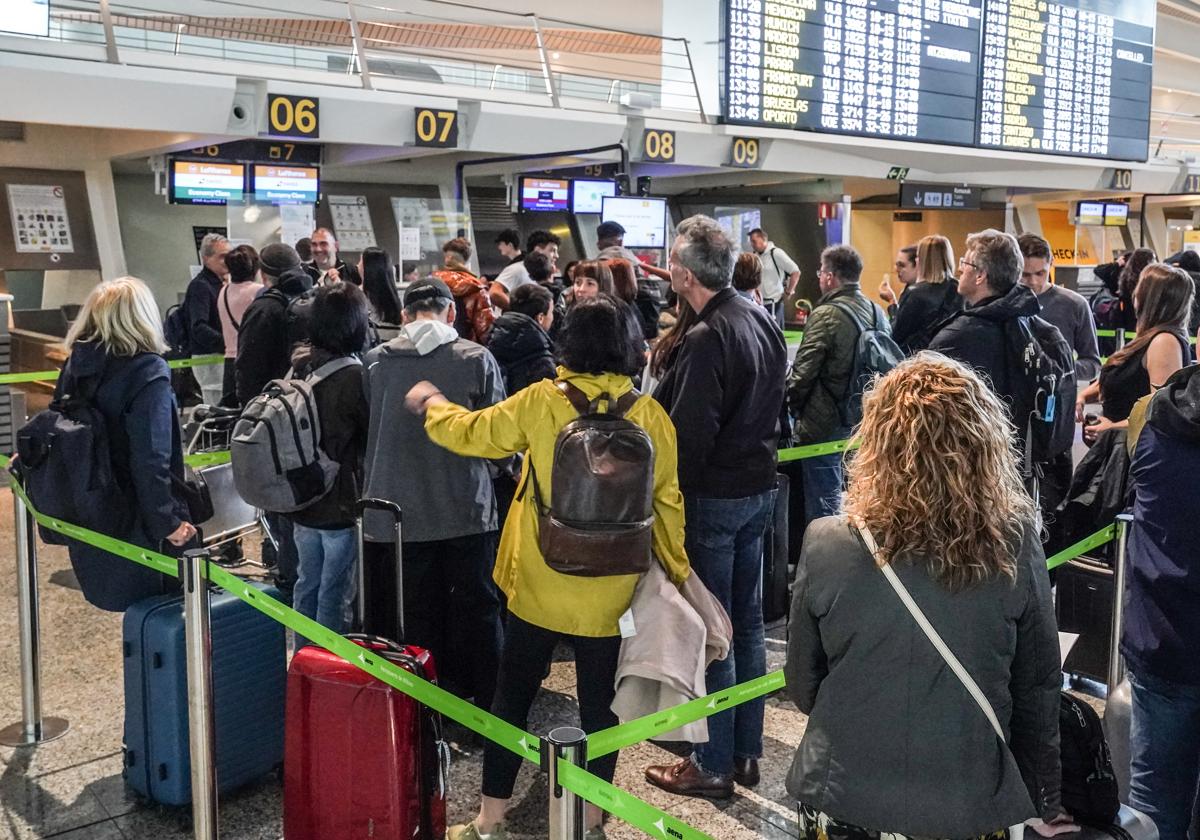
(450, 603)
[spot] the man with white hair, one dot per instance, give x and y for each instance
(327, 266)
(205, 337)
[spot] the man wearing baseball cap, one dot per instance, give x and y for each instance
(450, 602)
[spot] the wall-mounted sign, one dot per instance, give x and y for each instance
(1120, 179)
(352, 222)
(897, 173)
(261, 151)
(294, 116)
(658, 144)
(745, 152)
(915, 196)
(1191, 183)
(39, 219)
(436, 128)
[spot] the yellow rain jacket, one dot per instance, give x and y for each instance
(529, 421)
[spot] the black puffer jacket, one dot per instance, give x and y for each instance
(523, 350)
(976, 337)
(264, 349)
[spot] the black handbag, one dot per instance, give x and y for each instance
(195, 494)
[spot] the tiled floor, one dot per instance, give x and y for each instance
(72, 788)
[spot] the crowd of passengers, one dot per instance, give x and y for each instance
(459, 373)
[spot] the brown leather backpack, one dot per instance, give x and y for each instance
(601, 491)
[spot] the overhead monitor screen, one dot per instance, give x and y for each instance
(1116, 215)
(545, 194)
(644, 219)
(204, 182)
(1090, 213)
(1068, 77)
(588, 196)
(26, 17)
(286, 184)
(902, 69)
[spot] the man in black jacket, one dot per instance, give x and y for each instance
(989, 275)
(265, 353)
(724, 394)
(326, 265)
(204, 324)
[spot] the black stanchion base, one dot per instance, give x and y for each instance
(17, 735)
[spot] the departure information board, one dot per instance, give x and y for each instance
(906, 69)
(1030, 75)
(1067, 79)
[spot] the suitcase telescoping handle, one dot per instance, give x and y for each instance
(391, 507)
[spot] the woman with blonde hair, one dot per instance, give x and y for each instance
(896, 743)
(929, 301)
(116, 365)
(1162, 299)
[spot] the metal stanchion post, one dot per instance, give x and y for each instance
(193, 569)
(1116, 665)
(566, 809)
(1120, 338)
(33, 728)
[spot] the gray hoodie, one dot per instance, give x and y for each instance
(443, 495)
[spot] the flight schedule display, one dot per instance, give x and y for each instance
(1069, 77)
(905, 69)
(1066, 78)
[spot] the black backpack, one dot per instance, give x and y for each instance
(1089, 785)
(1042, 365)
(175, 331)
(875, 353)
(65, 461)
(601, 513)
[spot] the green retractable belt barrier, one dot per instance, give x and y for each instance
(812, 450)
(623, 805)
(52, 375)
(1085, 545)
(207, 459)
(635, 731)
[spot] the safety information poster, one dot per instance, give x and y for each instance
(296, 222)
(352, 222)
(39, 219)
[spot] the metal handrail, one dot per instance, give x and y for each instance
(566, 60)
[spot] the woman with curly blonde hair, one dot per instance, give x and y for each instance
(895, 741)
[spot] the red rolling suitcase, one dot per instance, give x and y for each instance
(362, 759)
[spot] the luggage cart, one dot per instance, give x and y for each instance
(210, 430)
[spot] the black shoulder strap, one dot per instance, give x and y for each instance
(237, 327)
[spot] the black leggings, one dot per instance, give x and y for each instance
(528, 649)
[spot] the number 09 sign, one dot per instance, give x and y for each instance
(293, 116)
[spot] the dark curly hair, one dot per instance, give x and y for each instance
(598, 337)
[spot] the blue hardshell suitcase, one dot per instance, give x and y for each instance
(249, 675)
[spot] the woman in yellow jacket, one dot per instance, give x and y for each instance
(598, 356)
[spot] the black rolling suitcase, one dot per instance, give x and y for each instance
(380, 590)
(1084, 605)
(776, 556)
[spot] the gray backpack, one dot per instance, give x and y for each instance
(278, 464)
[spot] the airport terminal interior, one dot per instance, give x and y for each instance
(145, 138)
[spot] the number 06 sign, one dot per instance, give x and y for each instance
(293, 116)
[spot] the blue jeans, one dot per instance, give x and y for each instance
(1164, 742)
(822, 477)
(724, 541)
(327, 581)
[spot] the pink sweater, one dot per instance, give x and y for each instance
(239, 297)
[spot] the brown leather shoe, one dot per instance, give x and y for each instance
(686, 779)
(745, 771)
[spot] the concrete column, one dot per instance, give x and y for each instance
(102, 196)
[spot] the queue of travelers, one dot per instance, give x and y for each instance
(936, 502)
